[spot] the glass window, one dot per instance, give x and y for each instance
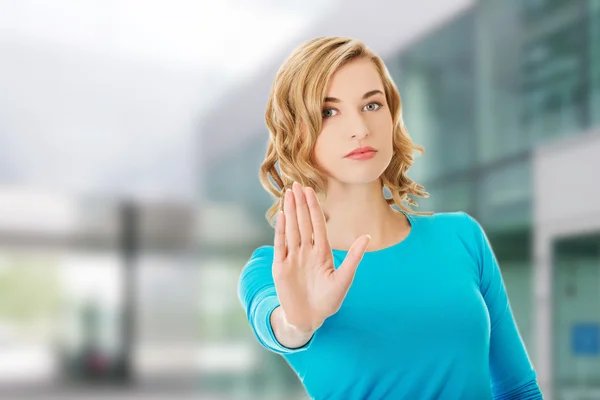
(553, 81)
(532, 78)
(576, 319)
(532, 10)
(437, 90)
(517, 279)
(505, 195)
(497, 77)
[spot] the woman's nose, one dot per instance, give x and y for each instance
(359, 129)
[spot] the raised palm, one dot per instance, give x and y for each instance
(309, 287)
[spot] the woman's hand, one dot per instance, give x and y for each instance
(308, 286)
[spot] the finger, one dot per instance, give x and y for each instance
(303, 215)
(279, 251)
(292, 236)
(345, 273)
(316, 217)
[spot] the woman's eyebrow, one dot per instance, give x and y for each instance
(365, 96)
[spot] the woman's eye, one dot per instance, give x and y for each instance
(329, 112)
(373, 106)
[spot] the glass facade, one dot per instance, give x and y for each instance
(434, 78)
(479, 94)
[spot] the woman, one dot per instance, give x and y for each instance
(362, 300)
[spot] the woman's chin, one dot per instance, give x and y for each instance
(361, 179)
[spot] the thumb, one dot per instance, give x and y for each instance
(345, 273)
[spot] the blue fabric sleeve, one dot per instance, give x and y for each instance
(256, 292)
(513, 376)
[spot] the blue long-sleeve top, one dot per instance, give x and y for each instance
(427, 318)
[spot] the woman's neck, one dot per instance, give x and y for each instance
(355, 210)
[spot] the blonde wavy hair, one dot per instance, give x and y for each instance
(294, 119)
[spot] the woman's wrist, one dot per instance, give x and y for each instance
(287, 334)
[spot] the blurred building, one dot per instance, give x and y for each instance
(504, 95)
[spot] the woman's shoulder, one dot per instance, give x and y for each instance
(262, 251)
(456, 230)
(261, 257)
(444, 218)
(258, 266)
(459, 222)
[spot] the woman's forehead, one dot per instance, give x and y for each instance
(354, 79)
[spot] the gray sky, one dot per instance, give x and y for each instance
(103, 97)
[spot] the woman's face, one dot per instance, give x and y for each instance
(355, 115)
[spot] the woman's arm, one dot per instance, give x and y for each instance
(513, 376)
(257, 294)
